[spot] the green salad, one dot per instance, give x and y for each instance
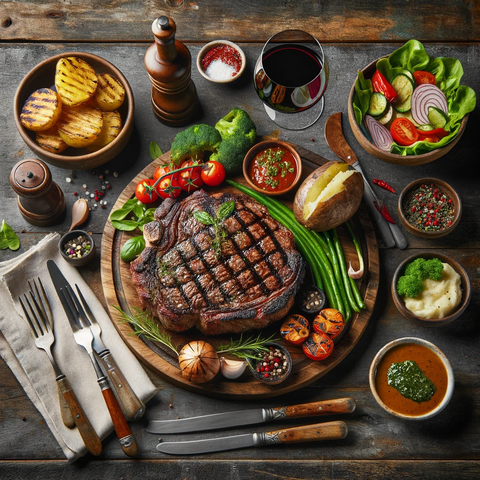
(390, 101)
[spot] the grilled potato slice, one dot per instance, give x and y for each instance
(112, 124)
(50, 140)
(41, 110)
(80, 126)
(76, 81)
(110, 92)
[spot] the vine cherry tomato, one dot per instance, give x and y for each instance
(421, 76)
(329, 321)
(404, 132)
(191, 179)
(213, 173)
(169, 187)
(161, 170)
(145, 192)
(318, 346)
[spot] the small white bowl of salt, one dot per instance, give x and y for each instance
(221, 61)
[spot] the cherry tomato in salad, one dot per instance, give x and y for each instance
(404, 132)
(213, 173)
(329, 321)
(191, 179)
(169, 187)
(318, 346)
(145, 192)
(421, 76)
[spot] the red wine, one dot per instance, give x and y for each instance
(291, 65)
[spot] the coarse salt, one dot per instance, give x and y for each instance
(217, 70)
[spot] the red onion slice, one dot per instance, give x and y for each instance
(424, 96)
(381, 135)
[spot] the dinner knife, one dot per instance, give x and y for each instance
(249, 417)
(391, 234)
(306, 433)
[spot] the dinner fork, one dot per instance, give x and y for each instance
(40, 319)
(132, 406)
(84, 337)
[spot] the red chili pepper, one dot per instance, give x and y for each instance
(383, 210)
(380, 84)
(383, 184)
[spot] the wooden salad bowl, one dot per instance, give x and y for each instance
(407, 160)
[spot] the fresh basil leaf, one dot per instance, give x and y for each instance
(150, 211)
(139, 210)
(125, 225)
(132, 248)
(9, 237)
(155, 150)
(3, 241)
(225, 210)
(123, 212)
(203, 217)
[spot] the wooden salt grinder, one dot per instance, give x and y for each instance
(168, 63)
(40, 200)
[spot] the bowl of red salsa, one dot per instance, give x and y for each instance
(272, 167)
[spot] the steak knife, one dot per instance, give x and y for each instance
(391, 234)
(249, 417)
(307, 433)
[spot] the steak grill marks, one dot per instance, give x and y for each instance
(249, 269)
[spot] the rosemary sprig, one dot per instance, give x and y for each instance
(146, 325)
(246, 348)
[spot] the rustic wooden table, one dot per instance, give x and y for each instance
(353, 32)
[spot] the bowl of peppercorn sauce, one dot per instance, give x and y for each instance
(429, 208)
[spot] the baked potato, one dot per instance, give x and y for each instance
(328, 197)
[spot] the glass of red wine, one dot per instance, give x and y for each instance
(290, 77)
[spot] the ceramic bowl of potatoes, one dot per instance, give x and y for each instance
(75, 110)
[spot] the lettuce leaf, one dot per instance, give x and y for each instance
(448, 72)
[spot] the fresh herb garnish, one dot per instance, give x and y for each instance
(155, 150)
(8, 238)
(140, 215)
(408, 378)
(248, 348)
(132, 247)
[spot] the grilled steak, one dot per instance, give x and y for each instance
(185, 282)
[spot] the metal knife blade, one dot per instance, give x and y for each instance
(59, 282)
(249, 417)
(307, 433)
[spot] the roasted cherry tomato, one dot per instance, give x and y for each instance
(421, 76)
(169, 187)
(403, 131)
(329, 321)
(145, 192)
(295, 329)
(213, 173)
(317, 346)
(191, 179)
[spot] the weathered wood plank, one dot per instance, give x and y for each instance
(349, 21)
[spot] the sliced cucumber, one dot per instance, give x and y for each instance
(425, 128)
(404, 86)
(409, 74)
(437, 117)
(387, 116)
(378, 105)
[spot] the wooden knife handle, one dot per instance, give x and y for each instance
(307, 433)
(323, 407)
(124, 434)
(131, 405)
(67, 417)
(88, 434)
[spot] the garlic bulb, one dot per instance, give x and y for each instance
(198, 361)
(232, 368)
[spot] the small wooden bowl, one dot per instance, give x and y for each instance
(407, 160)
(434, 349)
(77, 262)
(457, 207)
(43, 76)
(206, 48)
(271, 144)
(271, 380)
(433, 322)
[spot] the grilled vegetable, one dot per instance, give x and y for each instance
(318, 346)
(75, 81)
(403, 85)
(80, 126)
(112, 125)
(329, 321)
(110, 93)
(41, 110)
(295, 329)
(378, 105)
(50, 140)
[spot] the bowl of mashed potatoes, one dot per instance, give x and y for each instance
(431, 288)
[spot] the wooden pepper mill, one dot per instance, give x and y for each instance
(168, 63)
(40, 200)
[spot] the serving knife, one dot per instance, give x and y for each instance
(307, 433)
(390, 233)
(249, 417)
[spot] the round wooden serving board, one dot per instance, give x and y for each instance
(120, 291)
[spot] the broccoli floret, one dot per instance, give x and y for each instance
(411, 284)
(238, 135)
(192, 142)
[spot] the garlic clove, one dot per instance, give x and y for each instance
(355, 274)
(232, 368)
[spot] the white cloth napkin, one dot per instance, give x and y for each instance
(31, 366)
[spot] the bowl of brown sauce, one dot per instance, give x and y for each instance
(411, 378)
